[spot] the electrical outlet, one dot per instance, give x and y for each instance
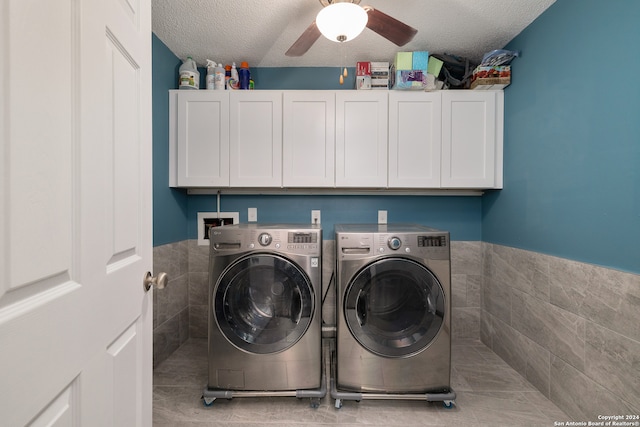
(315, 217)
(382, 217)
(252, 215)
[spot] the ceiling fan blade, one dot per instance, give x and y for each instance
(388, 27)
(305, 41)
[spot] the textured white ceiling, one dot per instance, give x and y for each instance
(261, 31)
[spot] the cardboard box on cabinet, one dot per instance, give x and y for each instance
(380, 75)
(363, 75)
(372, 75)
(491, 78)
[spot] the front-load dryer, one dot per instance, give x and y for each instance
(264, 311)
(394, 311)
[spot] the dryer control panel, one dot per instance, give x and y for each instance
(427, 245)
(362, 245)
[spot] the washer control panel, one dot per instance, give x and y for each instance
(303, 242)
(239, 238)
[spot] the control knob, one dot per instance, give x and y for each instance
(394, 243)
(265, 239)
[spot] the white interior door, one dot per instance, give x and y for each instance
(75, 212)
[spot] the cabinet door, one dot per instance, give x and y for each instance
(361, 138)
(415, 124)
(308, 144)
(203, 139)
(472, 139)
(256, 139)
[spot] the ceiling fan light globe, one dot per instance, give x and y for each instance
(340, 22)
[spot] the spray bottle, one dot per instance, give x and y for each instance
(234, 81)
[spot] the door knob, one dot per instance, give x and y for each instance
(160, 280)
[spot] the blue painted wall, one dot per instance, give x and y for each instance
(291, 78)
(303, 78)
(175, 213)
(459, 215)
(169, 205)
(572, 148)
(295, 78)
(572, 137)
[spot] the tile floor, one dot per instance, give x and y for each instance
(489, 393)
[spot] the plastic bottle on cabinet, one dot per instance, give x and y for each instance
(211, 67)
(227, 76)
(189, 75)
(234, 81)
(218, 78)
(245, 75)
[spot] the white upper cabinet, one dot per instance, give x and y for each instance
(203, 132)
(361, 138)
(308, 144)
(472, 123)
(415, 131)
(256, 139)
(346, 139)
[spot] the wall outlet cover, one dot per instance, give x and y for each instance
(382, 217)
(252, 215)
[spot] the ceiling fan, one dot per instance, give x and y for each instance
(383, 24)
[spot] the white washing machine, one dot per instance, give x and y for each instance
(265, 286)
(393, 337)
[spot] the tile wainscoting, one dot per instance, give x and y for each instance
(171, 304)
(570, 328)
(180, 310)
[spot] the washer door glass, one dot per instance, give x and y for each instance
(263, 303)
(394, 307)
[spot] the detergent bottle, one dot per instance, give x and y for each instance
(245, 75)
(189, 75)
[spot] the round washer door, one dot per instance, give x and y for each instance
(263, 303)
(394, 307)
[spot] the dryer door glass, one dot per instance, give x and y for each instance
(263, 303)
(394, 307)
